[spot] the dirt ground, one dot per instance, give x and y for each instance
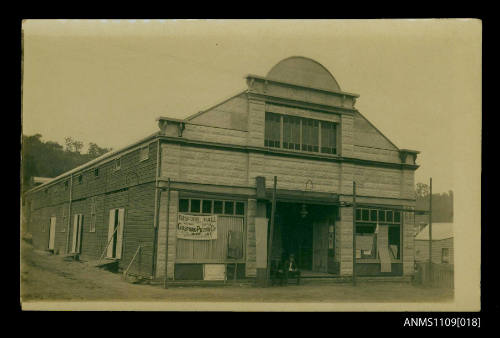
(46, 277)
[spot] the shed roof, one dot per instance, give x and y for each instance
(440, 231)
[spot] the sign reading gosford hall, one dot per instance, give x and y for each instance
(197, 227)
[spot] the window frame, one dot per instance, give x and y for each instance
(315, 147)
(212, 206)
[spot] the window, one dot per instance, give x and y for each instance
(378, 215)
(328, 137)
(228, 208)
(183, 205)
(66, 185)
(218, 206)
(195, 206)
(208, 206)
(291, 132)
(445, 255)
(144, 154)
(240, 208)
(272, 130)
(118, 163)
(366, 226)
(80, 179)
(299, 133)
(96, 172)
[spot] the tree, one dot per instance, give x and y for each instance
(96, 151)
(50, 159)
(422, 190)
(73, 145)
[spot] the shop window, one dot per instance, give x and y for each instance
(183, 205)
(394, 241)
(397, 216)
(207, 206)
(228, 208)
(389, 216)
(240, 208)
(373, 215)
(195, 205)
(358, 214)
(381, 215)
(365, 215)
(218, 206)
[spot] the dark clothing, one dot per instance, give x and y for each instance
(288, 270)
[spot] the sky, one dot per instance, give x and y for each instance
(106, 81)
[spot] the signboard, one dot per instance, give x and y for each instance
(197, 227)
(235, 245)
(214, 272)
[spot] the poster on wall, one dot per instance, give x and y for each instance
(197, 227)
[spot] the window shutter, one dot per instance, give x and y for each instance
(75, 233)
(119, 237)
(109, 252)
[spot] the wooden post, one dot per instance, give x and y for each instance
(354, 233)
(167, 228)
(271, 230)
(430, 231)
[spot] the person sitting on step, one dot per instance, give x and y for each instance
(291, 269)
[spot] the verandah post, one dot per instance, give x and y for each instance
(353, 233)
(271, 230)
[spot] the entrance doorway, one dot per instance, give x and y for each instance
(303, 230)
(115, 233)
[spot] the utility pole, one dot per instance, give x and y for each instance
(430, 230)
(271, 230)
(354, 233)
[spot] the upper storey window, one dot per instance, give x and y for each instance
(299, 133)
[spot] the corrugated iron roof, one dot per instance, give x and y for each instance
(439, 231)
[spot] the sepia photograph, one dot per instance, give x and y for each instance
(251, 165)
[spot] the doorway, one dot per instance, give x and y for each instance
(115, 233)
(303, 230)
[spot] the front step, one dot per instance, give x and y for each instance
(103, 262)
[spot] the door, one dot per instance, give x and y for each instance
(115, 233)
(320, 246)
(52, 233)
(77, 233)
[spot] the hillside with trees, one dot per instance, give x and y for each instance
(442, 204)
(50, 159)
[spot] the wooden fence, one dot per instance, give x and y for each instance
(442, 275)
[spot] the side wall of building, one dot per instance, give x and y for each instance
(422, 250)
(94, 194)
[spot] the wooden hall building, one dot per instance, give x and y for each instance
(196, 195)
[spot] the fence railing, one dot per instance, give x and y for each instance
(441, 275)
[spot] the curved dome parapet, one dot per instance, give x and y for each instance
(305, 72)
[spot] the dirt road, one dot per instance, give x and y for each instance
(46, 277)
